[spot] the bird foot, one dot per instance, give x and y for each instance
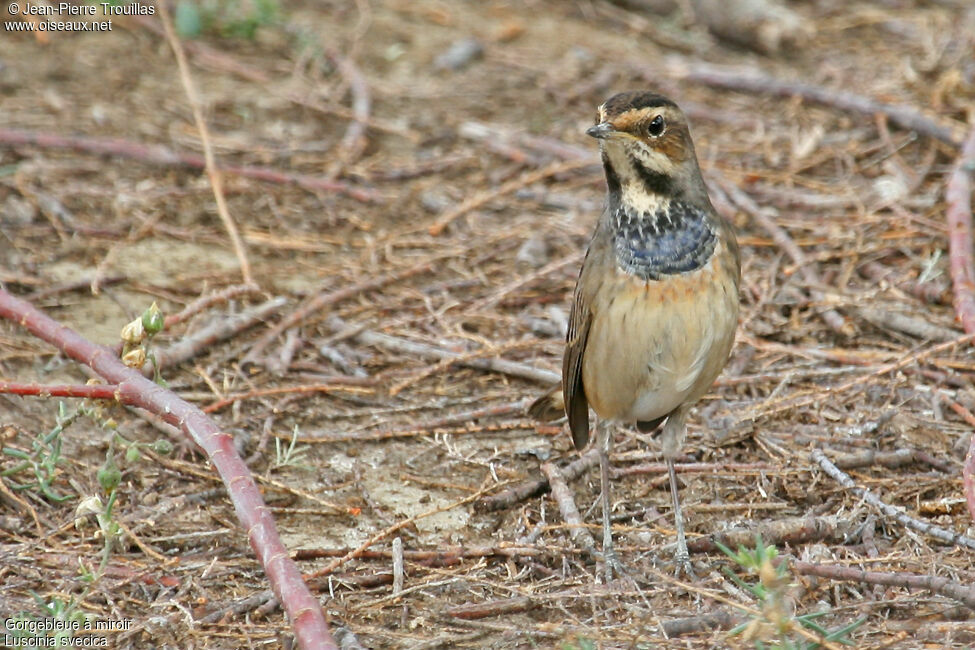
(683, 566)
(611, 566)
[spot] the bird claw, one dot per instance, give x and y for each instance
(682, 562)
(611, 566)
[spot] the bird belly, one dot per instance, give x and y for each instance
(654, 345)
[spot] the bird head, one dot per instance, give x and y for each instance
(647, 148)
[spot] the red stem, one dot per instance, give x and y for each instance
(94, 391)
(160, 155)
(958, 195)
(133, 389)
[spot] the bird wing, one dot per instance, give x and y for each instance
(573, 392)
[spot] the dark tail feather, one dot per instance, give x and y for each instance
(548, 407)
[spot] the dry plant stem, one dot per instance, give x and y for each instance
(216, 180)
(502, 607)
(799, 530)
(958, 194)
(740, 81)
(424, 350)
(94, 391)
(354, 141)
(133, 389)
(321, 300)
(891, 459)
(570, 513)
(523, 281)
(303, 389)
(398, 573)
(204, 339)
(686, 468)
(160, 155)
(513, 185)
(962, 593)
(778, 405)
(794, 626)
(440, 558)
(204, 302)
(916, 327)
(531, 489)
(832, 318)
(895, 513)
(335, 564)
(933, 292)
(717, 620)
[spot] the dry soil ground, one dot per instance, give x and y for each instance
(388, 435)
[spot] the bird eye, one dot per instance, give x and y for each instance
(656, 126)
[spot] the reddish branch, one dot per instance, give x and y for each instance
(958, 194)
(963, 593)
(160, 155)
(534, 488)
(94, 391)
(732, 79)
(133, 389)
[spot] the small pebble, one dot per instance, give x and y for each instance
(459, 55)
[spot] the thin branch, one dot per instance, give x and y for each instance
(730, 78)
(319, 301)
(303, 609)
(765, 218)
(427, 351)
(534, 488)
(160, 155)
(513, 185)
(216, 180)
(570, 513)
(838, 475)
(87, 391)
(958, 195)
(960, 592)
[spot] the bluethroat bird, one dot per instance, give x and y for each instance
(656, 304)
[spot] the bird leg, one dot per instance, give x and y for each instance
(604, 439)
(672, 439)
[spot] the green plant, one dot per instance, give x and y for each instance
(137, 340)
(227, 18)
(55, 627)
(43, 459)
(290, 456)
(778, 624)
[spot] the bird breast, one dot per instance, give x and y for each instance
(656, 344)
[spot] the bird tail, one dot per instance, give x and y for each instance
(549, 407)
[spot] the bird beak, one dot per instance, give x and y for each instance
(602, 130)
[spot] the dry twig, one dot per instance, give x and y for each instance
(838, 475)
(134, 389)
(960, 592)
(213, 173)
(749, 81)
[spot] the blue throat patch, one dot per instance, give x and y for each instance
(673, 240)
